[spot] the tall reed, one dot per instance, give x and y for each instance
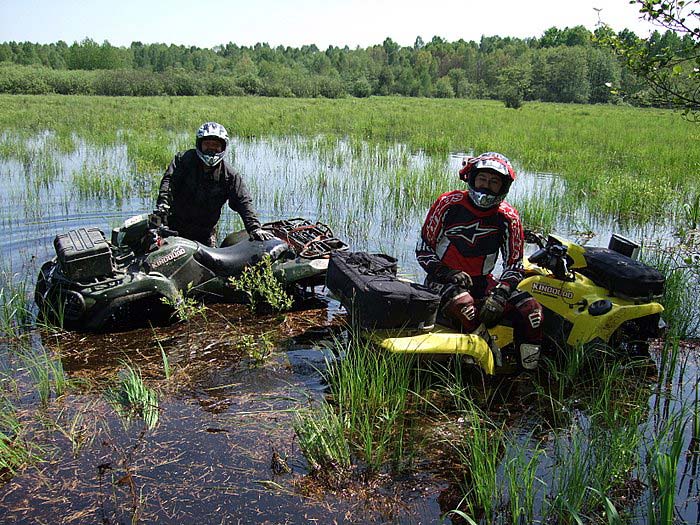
(370, 390)
(665, 454)
(480, 451)
(46, 372)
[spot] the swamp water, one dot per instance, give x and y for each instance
(223, 448)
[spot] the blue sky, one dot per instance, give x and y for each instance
(296, 23)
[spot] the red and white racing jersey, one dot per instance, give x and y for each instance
(463, 237)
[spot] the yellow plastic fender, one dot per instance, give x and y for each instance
(445, 341)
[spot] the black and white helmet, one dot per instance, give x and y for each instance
(211, 130)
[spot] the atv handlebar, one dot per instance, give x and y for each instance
(533, 237)
(553, 257)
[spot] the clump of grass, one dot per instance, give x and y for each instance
(14, 452)
(132, 397)
(480, 452)
(46, 372)
(77, 429)
(322, 439)
(370, 390)
(15, 309)
(520, 471)
(100, 181)
(262, 288)
(665, 454)
(366, 413)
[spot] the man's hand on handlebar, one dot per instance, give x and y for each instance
(159, 217)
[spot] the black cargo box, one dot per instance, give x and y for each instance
(367, 286)
(623, 276)
(83, 254)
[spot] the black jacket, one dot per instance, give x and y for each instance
(196, 197)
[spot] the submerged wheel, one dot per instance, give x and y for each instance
(42, 285)
(631, 339)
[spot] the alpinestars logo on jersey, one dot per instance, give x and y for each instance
(470, 232)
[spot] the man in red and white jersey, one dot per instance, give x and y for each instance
(460, 242)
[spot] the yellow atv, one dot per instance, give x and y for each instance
(590, 296)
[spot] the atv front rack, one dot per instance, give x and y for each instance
(307, 239)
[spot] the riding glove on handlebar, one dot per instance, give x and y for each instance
(159, 217)
(492, 309)
(261, 235)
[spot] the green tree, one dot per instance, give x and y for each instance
(514, 84)
(443, 88)
(604, 76)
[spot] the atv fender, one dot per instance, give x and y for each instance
(439, 341)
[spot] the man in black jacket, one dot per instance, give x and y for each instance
(198, 183)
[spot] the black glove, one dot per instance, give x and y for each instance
(456, 277)
(261, 235)
(159, 217)
(492, 309)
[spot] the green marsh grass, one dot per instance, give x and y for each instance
(321, 432)
(609, 156)
(14, 450)
(665, 455)
(16, 309)
(46, 372)
(79, 426)
(131, 397)
(480, 450)
(524, 487)
(681, 288)
(370, 390)
(96, 181)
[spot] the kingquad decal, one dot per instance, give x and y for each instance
(177, 252)
(553, 291)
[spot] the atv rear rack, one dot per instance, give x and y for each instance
(307, 239)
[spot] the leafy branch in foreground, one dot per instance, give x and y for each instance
(669, 65)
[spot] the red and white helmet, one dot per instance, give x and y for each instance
(211, 130)
(492, 162)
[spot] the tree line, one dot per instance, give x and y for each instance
(563, 65)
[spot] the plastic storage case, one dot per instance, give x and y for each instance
(367, 286)
(83, 254)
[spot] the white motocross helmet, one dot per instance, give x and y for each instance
(211, 130)
(495, 163)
